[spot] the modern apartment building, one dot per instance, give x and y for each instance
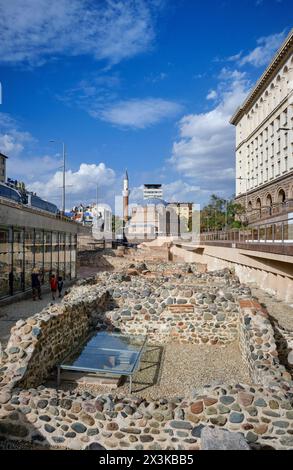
(151, 191)
(264, 141)
(183, 210)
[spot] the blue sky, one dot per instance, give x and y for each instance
(149, 85)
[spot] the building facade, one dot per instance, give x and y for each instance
(3, 159)
(264, 141)
(32, 238)
(151, 191)
(183, 210)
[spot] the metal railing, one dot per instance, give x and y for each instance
(272, 232)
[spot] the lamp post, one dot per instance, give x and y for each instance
(63, 176)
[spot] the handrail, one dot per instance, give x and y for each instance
(270, 232)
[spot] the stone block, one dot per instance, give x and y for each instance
(222, 439)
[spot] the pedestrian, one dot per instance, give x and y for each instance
(60, 285)
(53, 285)
(36, 284)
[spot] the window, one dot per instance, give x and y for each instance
(273, 171)
(286, 163)
(278, 123)
(286, 140)
(29, 255)
(6, 273)
(47, 256)
(285, 114)
(18, 260)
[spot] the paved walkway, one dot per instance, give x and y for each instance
(10, 314)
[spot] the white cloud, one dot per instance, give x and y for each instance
(156, 77)
(212, 95)
(138, 113)
(41, 173)
(35, 30)
(28, 168)
(228, 74)
(205, 149)
(12, 140)
(180, 191)
(265, 50)
(81, 185)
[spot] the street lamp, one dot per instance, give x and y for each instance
(63, 166)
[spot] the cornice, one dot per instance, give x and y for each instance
(278, 59)
(265, 122)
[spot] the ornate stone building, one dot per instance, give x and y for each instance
(264, 141)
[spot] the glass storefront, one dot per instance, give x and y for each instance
(21, 250)
(6, 273)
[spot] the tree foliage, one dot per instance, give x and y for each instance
(222, 213)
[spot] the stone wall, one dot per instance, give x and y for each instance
(259, 349)
(37, 344)
(174, 309)
(262, 411)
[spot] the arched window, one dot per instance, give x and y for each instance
(258, 203)
(250, 206)
(281, 196)
(269, 203)
(269, 200)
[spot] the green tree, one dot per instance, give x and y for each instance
(221, 213)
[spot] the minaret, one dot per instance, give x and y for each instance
(125, 194)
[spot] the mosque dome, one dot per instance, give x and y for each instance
(155, 202)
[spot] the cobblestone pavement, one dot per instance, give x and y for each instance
(10, 314)
(280, 311)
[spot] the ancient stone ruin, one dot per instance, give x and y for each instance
(171, 303)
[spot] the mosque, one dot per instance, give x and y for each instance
(153, 218)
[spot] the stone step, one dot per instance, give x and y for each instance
(91, 379)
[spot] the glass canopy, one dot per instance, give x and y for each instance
(106, 353)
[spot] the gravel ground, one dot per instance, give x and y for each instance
(280, 311)
(179, 368)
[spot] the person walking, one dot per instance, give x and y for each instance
(53, 285)
(36, 284)
(60, 285)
